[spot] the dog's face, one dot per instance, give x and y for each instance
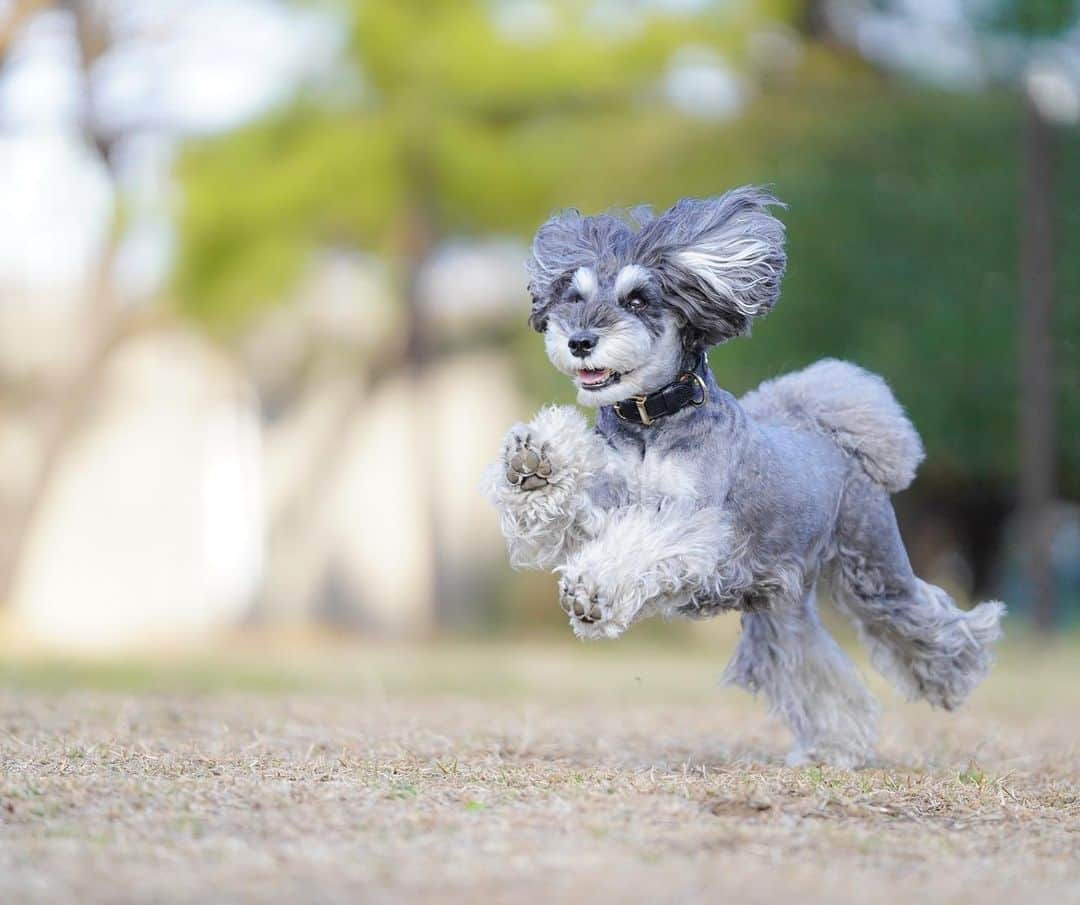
(623, 306)
(611, 333)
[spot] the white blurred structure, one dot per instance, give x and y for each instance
(401, 498)
(156, 527)
(373, 472)
(153, 527)
(700, 83)
(305, 477)
(469, 285)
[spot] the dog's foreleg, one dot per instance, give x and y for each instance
(645, 560)
(544, 485)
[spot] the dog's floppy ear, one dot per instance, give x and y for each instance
(720, 261)
(566, 242)
(557, 251)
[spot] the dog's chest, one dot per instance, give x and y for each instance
(659, 474)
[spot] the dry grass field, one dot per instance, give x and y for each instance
(518, 773)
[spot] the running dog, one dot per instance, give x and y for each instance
(685, 501)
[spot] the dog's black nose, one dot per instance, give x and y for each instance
(582, 343)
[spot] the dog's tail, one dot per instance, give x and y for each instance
(853, 407)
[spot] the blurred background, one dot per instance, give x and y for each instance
(262, 298)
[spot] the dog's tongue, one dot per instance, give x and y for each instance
(587, 376)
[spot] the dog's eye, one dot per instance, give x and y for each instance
(635, 301)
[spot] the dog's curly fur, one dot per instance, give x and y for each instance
(737, 504)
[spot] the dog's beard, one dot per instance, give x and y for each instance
(627, 361)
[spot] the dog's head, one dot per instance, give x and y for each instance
(624, 302)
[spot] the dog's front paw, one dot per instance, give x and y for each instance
(527, 464)
(594, 611)
(579, 600)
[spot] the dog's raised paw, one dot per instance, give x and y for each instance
(580, 601)
(527, 466)
(592, 611)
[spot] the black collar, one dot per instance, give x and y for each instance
(686, 389)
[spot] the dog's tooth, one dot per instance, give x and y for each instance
(532, 460)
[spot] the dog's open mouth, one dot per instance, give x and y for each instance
(591, 379)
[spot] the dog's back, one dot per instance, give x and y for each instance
(854, 408)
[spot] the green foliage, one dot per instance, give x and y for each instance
(903, 252)
(475, 126)
(256, 203)
(901, 220)
(1033, 18)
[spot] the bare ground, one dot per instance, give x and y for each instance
(518, 774)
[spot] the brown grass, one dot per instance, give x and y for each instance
(518, 773)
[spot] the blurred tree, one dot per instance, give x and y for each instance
(470, 117)
(902, 204)
(103, 319)
(19, 13)
(901, 200)
(1020, 43)
(462, 116)
(1031, 21)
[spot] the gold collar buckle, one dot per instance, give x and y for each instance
(643, 413)
(639, 402)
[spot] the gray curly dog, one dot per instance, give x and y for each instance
(685, 501)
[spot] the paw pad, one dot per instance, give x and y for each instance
(580, 602)
(527, 467)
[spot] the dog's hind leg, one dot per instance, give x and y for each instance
(785, 653)
(916, 635)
